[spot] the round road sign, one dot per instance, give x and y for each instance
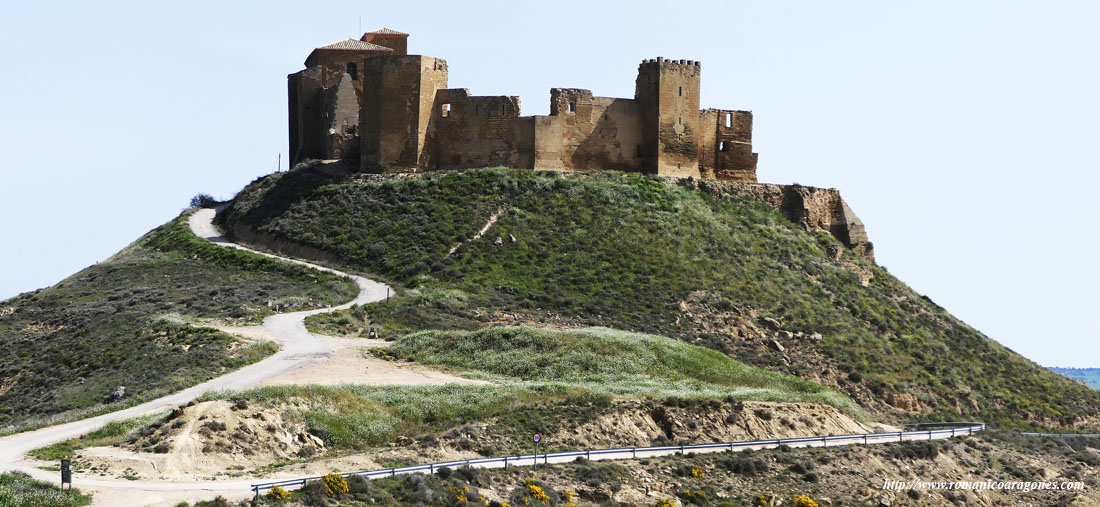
(537, 437)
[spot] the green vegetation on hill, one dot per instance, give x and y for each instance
(132, 321)
(108, 434)
(628, 251)
(544, 380)
(19, 489)
(609, 362)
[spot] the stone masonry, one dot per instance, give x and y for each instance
(369, 101)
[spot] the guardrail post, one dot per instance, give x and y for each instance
(634, 453)
(506, 462)
(681, 450)
(864, 439)
(929, 434)
(824, 442)
(431, 468)
(393, 472)
(588, 455)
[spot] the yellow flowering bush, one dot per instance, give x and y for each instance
(278, 493)
(531, 494)
(697, 471)
(804, 501)
(695, 497)
(335, 484)
(569, 499)
(664, 502)
(459, 492)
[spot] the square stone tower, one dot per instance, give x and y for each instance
(667, 92)
(398, 100)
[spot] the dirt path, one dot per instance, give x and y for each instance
(298, 348)
(346, 364)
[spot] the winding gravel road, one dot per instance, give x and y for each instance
(297, 348)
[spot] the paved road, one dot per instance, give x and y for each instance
(952, 429)
(297, 348)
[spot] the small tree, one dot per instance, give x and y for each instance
(203, 201)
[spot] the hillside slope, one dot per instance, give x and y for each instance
(137, 320)
(714, 268)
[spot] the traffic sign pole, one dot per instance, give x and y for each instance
(537, 438)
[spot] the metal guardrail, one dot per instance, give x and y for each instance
(954, 429)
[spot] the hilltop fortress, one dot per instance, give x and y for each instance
(369, 101)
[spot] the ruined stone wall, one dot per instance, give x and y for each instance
(597, 133)
(475, 131)
(306, 108)
(668, 93)
(396, 108)
(433, 77)
(341, 116)
(324, 121)
(734, 158)
(335, 63)
(725, 150)
(815, 209)
(708, 142)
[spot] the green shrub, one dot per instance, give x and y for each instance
(19, 489)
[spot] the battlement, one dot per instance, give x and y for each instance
(410, 120)
(660, 61)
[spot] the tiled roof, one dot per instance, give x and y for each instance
(386, 31)
(356, 45)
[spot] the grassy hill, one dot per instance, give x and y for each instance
(136, 320)
(655, 256)
(544, 380)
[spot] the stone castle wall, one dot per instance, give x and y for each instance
(407, 119)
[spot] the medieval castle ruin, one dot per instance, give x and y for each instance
(369, 101)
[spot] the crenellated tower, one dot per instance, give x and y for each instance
(667, 92)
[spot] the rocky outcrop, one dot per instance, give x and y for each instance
(815, 209)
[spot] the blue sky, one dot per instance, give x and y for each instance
(963, 134)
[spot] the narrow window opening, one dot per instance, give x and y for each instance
(729, 120)
(353, 69)
(445, 111)
(722, 146)
(681, 91)
(572, 107)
